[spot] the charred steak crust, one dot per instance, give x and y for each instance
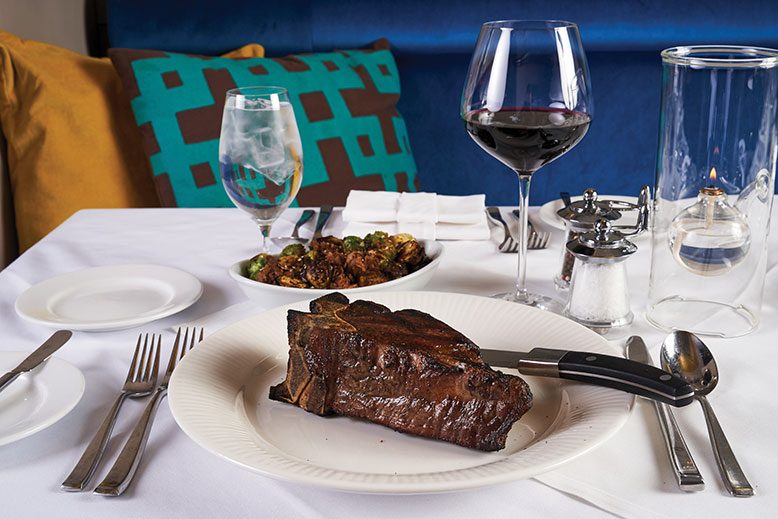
(405, 370)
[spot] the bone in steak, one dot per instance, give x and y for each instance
(405, 370)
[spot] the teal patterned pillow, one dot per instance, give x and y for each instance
(345, 103)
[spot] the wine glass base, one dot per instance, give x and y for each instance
(542, 302)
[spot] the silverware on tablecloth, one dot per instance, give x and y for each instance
(43, 352)
(508, 244)
(537, 240)
(124, 468)
(283, 241)
(325, 212)
(304, 217)
(686, 356)
(141, 380)
(686, 472)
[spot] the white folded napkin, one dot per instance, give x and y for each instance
(417, 207)
(427, 216)
(371, 206)
(461, 209)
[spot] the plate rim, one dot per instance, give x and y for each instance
(116, 324)
(63, 412)
(366, 486)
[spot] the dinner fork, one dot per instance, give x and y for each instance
(141, 380)
(536, 240)
(124, 469)
(508, 244)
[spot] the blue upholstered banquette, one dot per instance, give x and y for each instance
(432, 41)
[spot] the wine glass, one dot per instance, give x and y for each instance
(527, 101)
(260, 154)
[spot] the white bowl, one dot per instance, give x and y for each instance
(278, 295)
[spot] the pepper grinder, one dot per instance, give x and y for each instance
(599, 297)
(579, 217)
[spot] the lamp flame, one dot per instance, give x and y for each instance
(712, 175)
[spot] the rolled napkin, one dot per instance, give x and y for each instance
(427, 216)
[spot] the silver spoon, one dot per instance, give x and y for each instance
(686, 356)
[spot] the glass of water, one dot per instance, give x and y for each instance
(260, 154)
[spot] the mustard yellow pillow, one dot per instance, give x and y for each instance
(72, 140)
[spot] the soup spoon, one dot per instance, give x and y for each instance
(685, 355)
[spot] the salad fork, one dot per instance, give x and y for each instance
(121, 474)
(141, 380)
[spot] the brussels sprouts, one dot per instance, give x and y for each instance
(294, 282)
(295, 249)
(255, 264)
(353, 243)
(372, 278)
(394, 270)
(411, 253)
(318, 274)
(399, 239)
(374, 239)
(327, 243)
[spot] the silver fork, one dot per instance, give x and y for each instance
(124, 469)
(140, 381)
(508, 244)
(536, 240)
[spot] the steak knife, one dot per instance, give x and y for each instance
(686, 472)
(52, 344)
(598, 369)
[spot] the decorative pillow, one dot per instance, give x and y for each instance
(72, 142)
(344, 103)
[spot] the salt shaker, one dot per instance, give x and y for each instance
(599, 297)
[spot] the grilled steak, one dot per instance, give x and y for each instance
(405, 370)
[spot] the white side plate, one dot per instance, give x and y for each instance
(37, 399)
(109, 298)
(218, 396)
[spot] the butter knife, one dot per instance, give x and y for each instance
(43, 352)
(686, 472)
(325, 212)
(598, 369)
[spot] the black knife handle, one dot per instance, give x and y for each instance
(625, 375)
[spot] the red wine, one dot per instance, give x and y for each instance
(527, 138)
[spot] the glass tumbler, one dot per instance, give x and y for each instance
(715, 177)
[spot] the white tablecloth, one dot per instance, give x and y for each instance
(629, 475)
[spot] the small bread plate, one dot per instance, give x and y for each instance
(109, 298)
(547, 213)
(219, 397)
(36, 399)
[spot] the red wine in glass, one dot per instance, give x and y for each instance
(526, 139)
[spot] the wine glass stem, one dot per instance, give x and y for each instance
(264, 229)
(521, 280)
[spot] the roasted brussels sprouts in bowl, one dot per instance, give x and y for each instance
(350, 265)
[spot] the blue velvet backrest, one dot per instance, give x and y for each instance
(432, 41)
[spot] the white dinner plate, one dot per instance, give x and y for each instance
(547, 213)
(219, 397)
(109, 298)
(36, 399)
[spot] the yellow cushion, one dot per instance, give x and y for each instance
(72, 141)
